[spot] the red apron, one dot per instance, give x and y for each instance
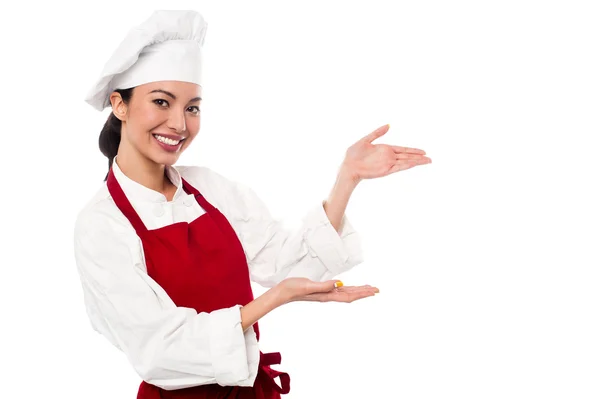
(201, 265)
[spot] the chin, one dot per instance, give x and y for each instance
(165, 159)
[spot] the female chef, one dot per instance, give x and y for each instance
(166, 253)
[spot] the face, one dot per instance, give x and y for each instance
(160, 121)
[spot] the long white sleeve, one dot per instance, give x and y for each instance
(170, 347)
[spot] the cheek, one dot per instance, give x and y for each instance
(193, 124)
(147, 118)
(152, 118)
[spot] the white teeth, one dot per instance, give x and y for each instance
(166, 140)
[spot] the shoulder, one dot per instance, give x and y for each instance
(100, 215)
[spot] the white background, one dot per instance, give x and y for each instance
(487, 259)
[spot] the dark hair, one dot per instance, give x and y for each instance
(110, 136)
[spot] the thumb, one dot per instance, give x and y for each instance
(326, 286)
(380, 131)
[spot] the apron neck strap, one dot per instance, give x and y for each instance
(199, 197)
(123, 203)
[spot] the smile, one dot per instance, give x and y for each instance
(167, 140)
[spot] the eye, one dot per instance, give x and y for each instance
(160, 102)
(194, 109)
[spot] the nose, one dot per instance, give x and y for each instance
(176, 121)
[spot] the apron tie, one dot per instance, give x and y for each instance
(267, 360)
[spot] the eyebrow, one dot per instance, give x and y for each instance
(168, 93)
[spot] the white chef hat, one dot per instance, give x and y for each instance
(167, 46)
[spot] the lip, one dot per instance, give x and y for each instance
(168, 147)
(169, 136)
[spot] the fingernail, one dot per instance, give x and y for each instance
(338, 284)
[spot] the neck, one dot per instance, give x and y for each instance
(144, 171)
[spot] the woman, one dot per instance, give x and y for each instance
(166, 253)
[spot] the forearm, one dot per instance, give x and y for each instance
(336, 203)
(262, 305)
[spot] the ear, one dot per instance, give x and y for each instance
(119, 108)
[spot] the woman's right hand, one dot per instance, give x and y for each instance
(303, 289)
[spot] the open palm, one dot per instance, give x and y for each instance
(366, 160)
(304, 289)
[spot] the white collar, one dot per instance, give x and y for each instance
(135, 191)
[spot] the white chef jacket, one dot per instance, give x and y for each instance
(175, 347)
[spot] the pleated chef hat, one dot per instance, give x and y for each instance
(167, 46)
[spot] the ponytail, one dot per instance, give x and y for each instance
(110, 136)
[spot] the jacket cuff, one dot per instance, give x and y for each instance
(337, 251)
(253, 355)
(228, 347)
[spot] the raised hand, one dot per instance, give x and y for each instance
(365, 160)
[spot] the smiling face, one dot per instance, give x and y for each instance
(160, 121)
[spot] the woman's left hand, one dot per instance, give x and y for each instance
(365, 160)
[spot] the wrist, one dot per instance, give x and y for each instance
(279, 295)
(261, 306)
(347, 177)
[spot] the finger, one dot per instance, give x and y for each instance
(338, 295)
(398, 149)
(380, 131)
(405, 155)
(355, 296)
(350, 290)
(344, 296)
(368, 289)
(325, 286)
(363, 288)
(404, 164)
